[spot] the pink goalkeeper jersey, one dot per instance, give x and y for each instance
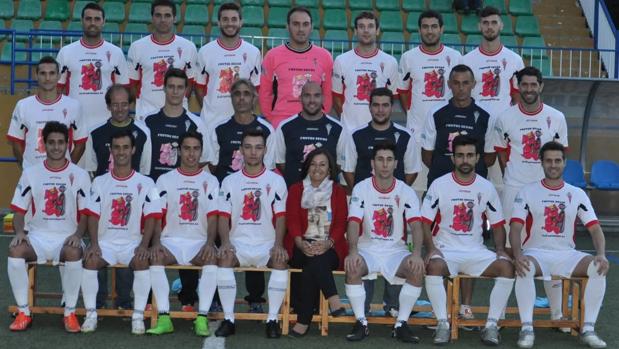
(284, 72)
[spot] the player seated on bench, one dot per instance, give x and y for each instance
(58, 189)
(119, 201)
(189, 197)
(551, 206)
(252, 224)
(382, 205)
(456, 244)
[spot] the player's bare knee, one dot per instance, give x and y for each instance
(505, 268)
(415, 279)
(139, 264)
(226, 261)
(71, 254)
(18, 251)
(353, 277)
(90, 263)
(156, 260)
(279, 265)
(435, 266)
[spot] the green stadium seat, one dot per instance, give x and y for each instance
(111, 27)
(57, 10)
(441, 5)
(391, 21)
(77, 10)
(20, 57)
(111, 33)
(470, 24)
(334, 19)
(7, 10)
(413, 5)
(280, 3)
(39, 50)
(412, 23)
(508, 25)
(140, 13)
(533, 47)
(249, 31)
(213, 34)
(388, 5)
(29, 9)
(336, 4)
(194, 33)
(277, 36)
(203, 2)
(365, 5)
(277, 17)
(510, 41)
(310, 4)
(355, 13)
(114, 12)
(527, 26)
(520, 7)
(472, 41)
(450, 23)
(50, 25)
(75, 26)
(543, 64)
(196, 14)
(336, 35)
(393, 42)
(22, 25)
(498, 4)
(336, 41)
(252, 3)
(253, 16)
(136, 30)
(451, 39)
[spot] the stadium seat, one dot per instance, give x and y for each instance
(388, 5)
(450, 23)
(509, 41)
(391, 21)
(336, 41)
(50, 25)
(413, 5)
(441, 5)
(310, 4)
(196, 14)
(42, 49)
(393, 42)
(336, 35)
(57, 10)
(136, 31)
(605, 175)
(7, 10)
(213, 34)
(544, 65)
(498, 4)
(22, 25)
(520, 7)
(194, 33)
(77, 10)
(20, 57)
(534, 47)
(527, 26)
(253, 16)
(277, 17)
(248, 34)
(140, 13)
(277, 36)
(336, 4)
(412, 23)
(74, 26)
(111, 33)
(29, 9)
(252, 3)
(334, 19)
(204, 2)
(452, 40)
(114, 12)
(470, 24)
(472, 41)
(365, 5)
(280, 3)
(508, 25)
(574, 174)
(111, 28)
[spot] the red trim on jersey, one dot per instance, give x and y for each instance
(137, 84)
(264, 169)
(155, 215)
(62, 168)
(500, 148)
(212, 213)
(67, 88)
(99, 44)
(50, 102)
(91, 213)
(426, 220)
(527, 226)
(18, 209)
(79, 141)
(370, 55)
(122, 178)
(279, 214)
(189, 174)
(15, 139)
(335, 94)
(413, 219)
(221, 44)
(592, 223)
(380, 190)
(460, 182)
(355, 219)
(437, 223)
(486, 53)
(498, 224)
(152, 38)
(431, 53)
(517, 220)
(537, 111)
(224, 214)
(552, 188)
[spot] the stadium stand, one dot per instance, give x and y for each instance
(605, 175)
(574, 174)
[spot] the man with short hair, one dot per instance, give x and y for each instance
(357, 72)
(288, 67)
(252, 225)
(458, 204)
(91, 65)
(383, 206)
(120, 201)
(53, 193)
(150, 57)
(32, 113)
(188, 235)
(552, 208)
(222, 62)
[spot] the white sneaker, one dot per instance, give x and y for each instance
(137, 327)
(591, 339)
(526, 339)
(466, 313)
(561, 329)
(89, 325)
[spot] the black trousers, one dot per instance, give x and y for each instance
(189, 279)
(316, 276)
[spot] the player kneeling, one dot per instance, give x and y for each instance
(58, 189)
(548, 249)
(456, 244)
(382, 204)
(189, 196)
(119, 201)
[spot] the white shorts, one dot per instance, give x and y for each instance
(508, 195)
(385, 263)
(46, 246)
(183, 250)
(495, 176)
(114, 253)
(472, 263)
(257, 255)
(555, 262)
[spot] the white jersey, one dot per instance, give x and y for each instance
(88, 71)
(523, 134)
(188, 200)
(218, 68)
(30, 116)
(495, 77)
(53, 198)
(549, 215)
(383, 214)
(426, 74)
(252, 203)
(354, 78)
(458, 208)
(149, 60)
(122, 204)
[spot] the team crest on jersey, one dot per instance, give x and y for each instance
(308, 149)
(365, 84)
(397, 200)
(569, 197)
(159, 69)
(71, 178)
(448, 60)
(531, 144)
(237, 160)
(434, 83)
(64, 113)
(298, 81)
(251, 206)
(91, 77)
(121, 210)
(54, 201)
(168, 154)
(382, 67)
(463, 217)
(478, 198)
(244, 57)
(450, 138)
(139, 188)
(108, 55)
(476, 115)
(328, 127)
(188, 203)
(554, 218)
(504, 63)
(491, 83)
(383, 222)
(396, 135)
(548, 121)
(179, 50)
(268, 189)
(227, 77)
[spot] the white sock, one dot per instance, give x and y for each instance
(226, 286)
(594, 295)
(356, 296)
(525, 295)
(206, 288)
(71, 281)
(554, 292)
(498, 299)
(18, 277)
(160, 287)
(278, 283)
(90, 287)
(437, 296)
(408, 297)
(141, 287)
(62, 281)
